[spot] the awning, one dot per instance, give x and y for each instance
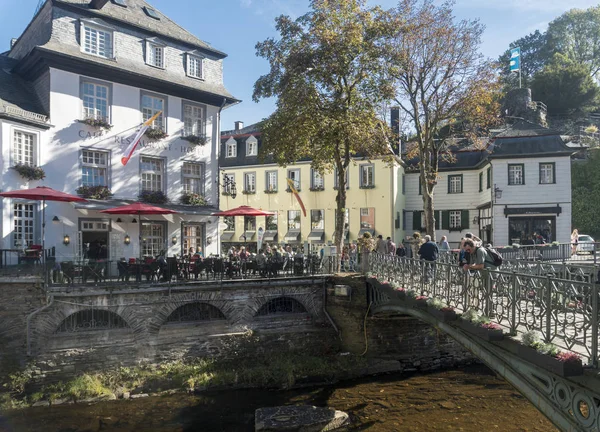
(316, 236)
(292, 236)
(97, 205)
(364, 230)
(270, 236)
(227, 236)
(247, 236)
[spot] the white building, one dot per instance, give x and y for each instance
(517, 186)
(120, 61)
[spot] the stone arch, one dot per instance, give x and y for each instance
(91, 319)
(281, 305)
(194, 312)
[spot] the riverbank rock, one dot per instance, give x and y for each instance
(301, 418)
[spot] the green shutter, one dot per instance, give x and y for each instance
(480, 182)
(417, 220)
(420, 187)
(438, 216)
(489, 178)
(449, 183)
(464, 219)
(446, 220)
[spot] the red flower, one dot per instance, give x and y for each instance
(568, 357)
(491, 326)
(421, 298)
(447, 309)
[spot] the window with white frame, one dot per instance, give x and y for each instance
(97, 41)
(547, 173)
(367, 218)
(250, 183)
(455, 185)
(192, 236)
(516, 174)
(153, 238)
(228, 186)
(193, 120)
(294, 176)
(95, 99)
(336, 182)
(24, 224)
(151, 105)
(195, 66)
(293, 220)
(249, 223)
(231, 148)
(152, 174)
(455, 219)
(155, 55)
(193, 178)
(24, 151)
(367, 179)
(316, 180)
(251, 147)
(271, 177)
(94, 168)
(317, 219)
(230, 222)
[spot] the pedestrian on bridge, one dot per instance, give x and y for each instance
(429, 253)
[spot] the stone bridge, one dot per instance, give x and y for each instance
(79, 329)
(564, 312)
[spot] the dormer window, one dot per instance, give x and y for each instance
(151, 13)
(231, 148)
(251, 147)
(120, 2)
(155, 53)
(96, 40)
(195, 66)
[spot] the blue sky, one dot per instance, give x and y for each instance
(234, 26)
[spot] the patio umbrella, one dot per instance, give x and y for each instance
(43, 194)
(244, 211)
(139, 209)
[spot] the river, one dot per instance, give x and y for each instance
(469, 400)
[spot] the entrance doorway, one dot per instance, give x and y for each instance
(532, 230)
(94, 240)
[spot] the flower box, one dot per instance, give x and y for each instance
(444, 314)
(190, 198)
(30, 172)
(153, 197)
(97, 123)
(420, 303)
(195, 139)
(486, 334)
(94, 192)
(155, 134)
(270, 191)
(400, 294)
(549, 363)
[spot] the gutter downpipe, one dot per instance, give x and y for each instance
(29, 317)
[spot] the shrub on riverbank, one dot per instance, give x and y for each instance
(270, 371)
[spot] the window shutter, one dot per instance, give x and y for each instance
(480, 182)
(449, 189)
(446, 220)
(420, 187)
(417, 220)
(464, 219)
(438, 216)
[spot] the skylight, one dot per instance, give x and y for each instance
(120, 2)
(151, 13)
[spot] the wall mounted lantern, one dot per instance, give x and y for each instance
(127, 239)
(497, 193)
(208, 240)
(66, 240)
(174, 240)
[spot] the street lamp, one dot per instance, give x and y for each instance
(497, 193)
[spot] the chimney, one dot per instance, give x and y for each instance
(98, 4)
(239, 125)
(395, 125)
(13, 41)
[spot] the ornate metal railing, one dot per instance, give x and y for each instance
(565, 311)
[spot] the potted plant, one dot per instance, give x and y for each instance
(195, 139)
(94, 192)
(317, 189)
(100, 123)
(440, 310)
(190, 198)
(155, 134)
(30, 172)
(548, 356)
(153, 197)
(249, 192)
(271, 191)
(479, 325)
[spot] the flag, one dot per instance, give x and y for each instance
(295, 192)
(134, 139)
(515, 59)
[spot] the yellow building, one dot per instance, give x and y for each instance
(375, 198)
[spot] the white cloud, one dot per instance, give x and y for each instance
(528, 5)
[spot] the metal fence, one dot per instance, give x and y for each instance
(565, 312)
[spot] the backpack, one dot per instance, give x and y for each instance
(496, 258)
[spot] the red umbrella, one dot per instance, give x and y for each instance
(244, 211)
(43, 194)
(138, 208)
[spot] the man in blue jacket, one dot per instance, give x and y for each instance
(429, 252)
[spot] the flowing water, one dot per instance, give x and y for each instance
(469, 400)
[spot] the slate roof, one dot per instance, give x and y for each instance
(17, 93)
(523, 128)
(134, 15)
(524, 138)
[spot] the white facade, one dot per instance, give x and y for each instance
(188, 82)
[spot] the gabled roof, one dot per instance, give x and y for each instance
(134, 15)
(253, 129)
(17, 99)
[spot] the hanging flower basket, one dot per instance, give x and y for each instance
(97, 123)
(94, 192)
(155, 134)
(194, 199)
(153, 197)
(30, 172)
(195, 139)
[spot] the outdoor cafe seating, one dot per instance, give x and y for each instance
(31, 255)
